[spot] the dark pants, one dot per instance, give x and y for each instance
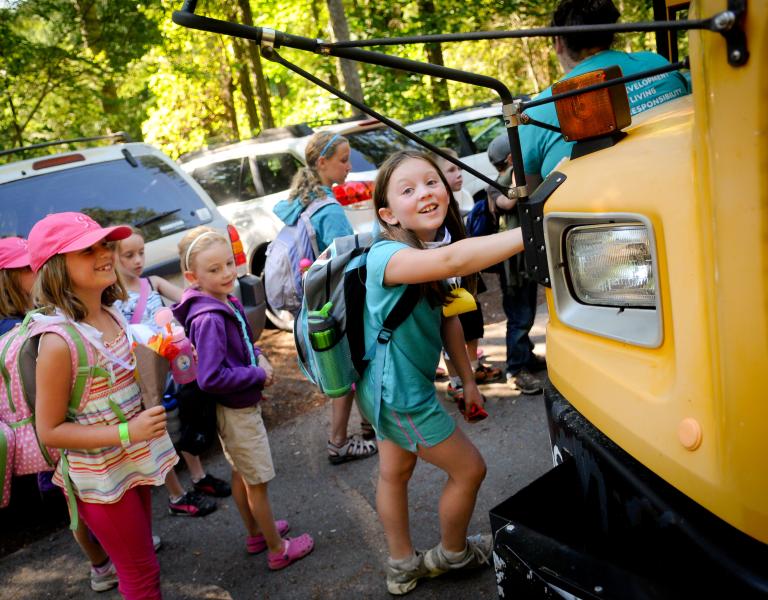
(520, 307)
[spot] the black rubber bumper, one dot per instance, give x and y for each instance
(601, 525)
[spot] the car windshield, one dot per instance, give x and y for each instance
(372, 147)
(151, 195)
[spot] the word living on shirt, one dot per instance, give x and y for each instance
(647, 90)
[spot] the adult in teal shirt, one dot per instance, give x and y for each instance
(579, 54)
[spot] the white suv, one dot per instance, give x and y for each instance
(248, 178)
(468, 131)
(131, 183)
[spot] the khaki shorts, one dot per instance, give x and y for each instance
(244, 440)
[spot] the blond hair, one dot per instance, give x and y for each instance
(189, 246)
(14, 301)
(306, 185)
(134, 231)
(53, 288)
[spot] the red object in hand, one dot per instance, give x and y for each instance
(476, 413)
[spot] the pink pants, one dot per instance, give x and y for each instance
(124, 529)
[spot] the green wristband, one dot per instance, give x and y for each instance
(125, 438)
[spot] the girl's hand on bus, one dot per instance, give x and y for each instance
(149, 424)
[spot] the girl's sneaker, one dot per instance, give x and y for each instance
(293, 550)
(402, 577)
(191, 504)
(213, 486)
(476, 554)
(256, 543)
(103, 578)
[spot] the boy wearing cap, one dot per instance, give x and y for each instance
(518, 293)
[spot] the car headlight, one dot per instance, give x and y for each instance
(611, 265)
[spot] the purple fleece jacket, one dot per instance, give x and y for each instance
(224, 363)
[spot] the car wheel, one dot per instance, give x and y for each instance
(276, 319)
(280, 319)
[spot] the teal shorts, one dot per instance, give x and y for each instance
(425, 426)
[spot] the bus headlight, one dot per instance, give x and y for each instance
(611, 265)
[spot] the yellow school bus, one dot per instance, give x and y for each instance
(657, 347)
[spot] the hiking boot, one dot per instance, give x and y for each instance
(476, 554)
(536, 364)
(103, 578)
(401, 578)
(213, 486)
(192, 504)
(525, 381)
(486, 374)
(455, 393)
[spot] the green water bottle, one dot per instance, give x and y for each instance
(331, 351)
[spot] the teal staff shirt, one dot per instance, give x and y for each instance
(414, 349)
(543, 149)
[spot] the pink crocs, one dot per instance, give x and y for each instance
(256, 543)
(293, 550)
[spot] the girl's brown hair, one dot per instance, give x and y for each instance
(134, 231)
(306, 184)
(436, 292)
(214, 237)
(53, 288)
(14, 302)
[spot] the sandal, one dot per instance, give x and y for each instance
(293, 550)
(487, 374)
(355, 447)
(256, 543)
(367, 430)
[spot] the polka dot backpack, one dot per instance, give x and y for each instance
(21, 452)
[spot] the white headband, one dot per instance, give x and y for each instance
(192, 245)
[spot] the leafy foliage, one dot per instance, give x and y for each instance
(72, 68)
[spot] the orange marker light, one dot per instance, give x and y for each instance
(592, 114)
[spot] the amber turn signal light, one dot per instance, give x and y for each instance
(592, 114)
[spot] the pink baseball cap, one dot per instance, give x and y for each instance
(14, 253)
(68, 232)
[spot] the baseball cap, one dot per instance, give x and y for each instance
(14, 253)
(498, 149)
(68, 232)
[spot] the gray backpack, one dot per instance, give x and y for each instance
(282, 269)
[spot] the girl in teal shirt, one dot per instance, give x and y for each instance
(423, 244)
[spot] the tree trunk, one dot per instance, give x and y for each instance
(244, 75)
(262, 94)
(349, 74)
(440, 97)
(228, 91)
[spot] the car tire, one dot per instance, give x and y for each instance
(280, 319)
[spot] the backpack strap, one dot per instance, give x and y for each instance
(8, 339)
(306, 215)
(145, 287)
(395, 318)
(84, 373)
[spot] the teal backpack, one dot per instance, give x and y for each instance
(334, 296)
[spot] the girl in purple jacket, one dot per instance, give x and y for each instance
(233, 369)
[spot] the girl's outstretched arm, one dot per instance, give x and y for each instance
(461, 258)
(53, 377)
(166, 288)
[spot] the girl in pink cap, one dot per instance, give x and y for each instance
(16, 279)
(113, 450)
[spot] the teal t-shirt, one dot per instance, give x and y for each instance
(543, 149)
(414, 349)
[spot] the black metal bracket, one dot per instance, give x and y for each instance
(731, 26)
(532, 224)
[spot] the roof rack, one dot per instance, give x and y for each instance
(120, 136)
(266, 135)
(461, 109)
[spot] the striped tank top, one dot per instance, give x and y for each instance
(103, 475)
